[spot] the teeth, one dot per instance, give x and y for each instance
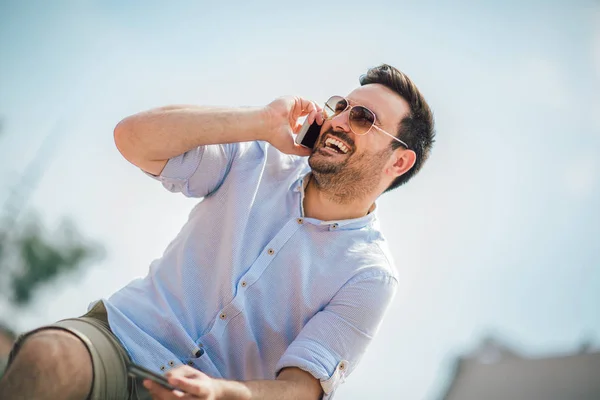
(339, 144)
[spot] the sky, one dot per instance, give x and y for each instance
(497, 235)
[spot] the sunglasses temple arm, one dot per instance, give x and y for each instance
(390, 135)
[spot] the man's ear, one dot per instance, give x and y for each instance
(401, 161)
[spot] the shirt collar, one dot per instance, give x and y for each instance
(343, 224)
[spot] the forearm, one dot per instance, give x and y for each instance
(157, 135)
(267, 390)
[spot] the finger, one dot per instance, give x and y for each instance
(307, 106)
(191, 386)
(302, 107)
(312, 116)
(317, 115)
(177, 371)
(320, 116)
(160, 393)
(184, 370)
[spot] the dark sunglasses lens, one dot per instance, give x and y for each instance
(335, 106)
(361, 120)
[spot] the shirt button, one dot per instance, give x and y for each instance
(190, 363)
(171, 363)
(244, 284)
(271, 252)
(334, 226)
(223, 316)
(300, 220)
(162, 367)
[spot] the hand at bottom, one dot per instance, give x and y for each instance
(194, 383)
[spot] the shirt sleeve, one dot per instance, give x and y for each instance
(201, 171)
(333, 341)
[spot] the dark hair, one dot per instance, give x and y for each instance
(416, 128)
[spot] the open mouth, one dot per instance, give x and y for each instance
(336, 146)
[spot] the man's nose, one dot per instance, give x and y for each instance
(341, 122)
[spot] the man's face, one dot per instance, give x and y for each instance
(367, 155)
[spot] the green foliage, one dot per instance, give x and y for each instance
(30, 257)
(40, 259)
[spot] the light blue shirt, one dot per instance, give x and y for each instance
(250, 286)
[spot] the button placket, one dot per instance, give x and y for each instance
(236, 306)
(226, 314)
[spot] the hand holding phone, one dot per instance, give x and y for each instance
(137, 371)
(309, 134)
(283, 115)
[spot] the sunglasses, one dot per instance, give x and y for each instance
(360, 119)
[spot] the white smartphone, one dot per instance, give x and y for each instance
(308, 135)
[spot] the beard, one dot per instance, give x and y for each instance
(350, 177)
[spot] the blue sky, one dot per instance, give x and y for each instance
(498, 234)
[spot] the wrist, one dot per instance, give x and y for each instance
(232, 390)
(266, 123)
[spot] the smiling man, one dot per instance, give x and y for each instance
(280, 278)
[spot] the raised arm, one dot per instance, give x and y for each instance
(149, 139)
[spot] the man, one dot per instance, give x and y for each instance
(280, 278)
(7, 338)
